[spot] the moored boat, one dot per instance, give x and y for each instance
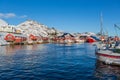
(110, 56)
(108, 49)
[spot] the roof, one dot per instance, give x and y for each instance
(66, 34)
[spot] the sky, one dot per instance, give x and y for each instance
(65, 15)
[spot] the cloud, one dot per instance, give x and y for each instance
(7, 15)
(24, 16)
(11, 15)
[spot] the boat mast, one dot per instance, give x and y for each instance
(101, 24)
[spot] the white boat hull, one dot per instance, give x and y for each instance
(109, 57)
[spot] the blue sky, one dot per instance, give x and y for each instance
(65, 15)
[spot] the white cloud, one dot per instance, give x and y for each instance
(24, 16)
(11, 15)
(7, 15)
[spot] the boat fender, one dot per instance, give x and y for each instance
(108, 61)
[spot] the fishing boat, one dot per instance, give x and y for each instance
(108, 51)
(109, 54)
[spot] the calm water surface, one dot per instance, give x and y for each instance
(53, 62)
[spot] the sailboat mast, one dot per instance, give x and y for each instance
(101, 24)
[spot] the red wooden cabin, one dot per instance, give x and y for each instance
(16, 38)
(10, 37)
(45, 38)
(20, 39)
(33, 37)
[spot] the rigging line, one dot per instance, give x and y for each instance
(116, 27)
(116, 32)
(101, 23)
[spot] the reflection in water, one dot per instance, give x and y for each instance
(107, 72)
(14, 49)
(10, 50)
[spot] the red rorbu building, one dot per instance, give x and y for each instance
(33, 37)
(38, 39)
(55, 39)
(45, 38)
(15, 38)
(9, 38)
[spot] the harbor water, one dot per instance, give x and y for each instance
(54, 62)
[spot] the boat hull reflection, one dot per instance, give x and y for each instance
(107, 72)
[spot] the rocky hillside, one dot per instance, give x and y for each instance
(33, 27)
